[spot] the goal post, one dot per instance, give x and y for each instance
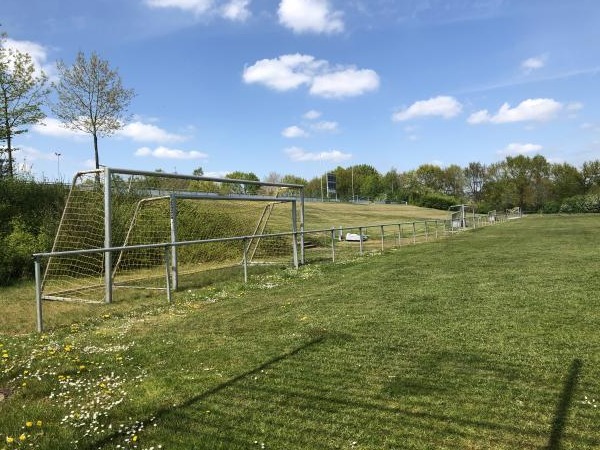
(186, 217)
(102, 205)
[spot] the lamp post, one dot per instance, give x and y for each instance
(58, 163)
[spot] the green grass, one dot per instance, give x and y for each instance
(488, 339)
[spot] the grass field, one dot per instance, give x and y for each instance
(488, 339)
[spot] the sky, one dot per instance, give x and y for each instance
(303, 86)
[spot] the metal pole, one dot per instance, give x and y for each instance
(414, 233)
(174, 264)
(302, 226)
(382, 237)
(295, 235)
(38, 294)
(107, 237)
(168, 273)
(399, 235)
(332, 244)
(245, 260)
(360, 238)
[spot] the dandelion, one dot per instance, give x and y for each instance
(22, 437)
(28, 424)
(10, 439)
(39, 423)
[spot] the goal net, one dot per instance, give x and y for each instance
(121, 208)
(514, 213)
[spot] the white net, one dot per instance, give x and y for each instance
(154, 208)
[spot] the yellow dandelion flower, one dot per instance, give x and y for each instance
(39, 423)
(68, 348)
(28, 424)
(10, 439)
(22, 437)
(4, 354)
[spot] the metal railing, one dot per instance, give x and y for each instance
(328, 244)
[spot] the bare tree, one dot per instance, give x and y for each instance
(23, 91)
(91, 98)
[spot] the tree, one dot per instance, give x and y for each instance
(91, 98)
(242, 188)
(475, 174)
(23, 91)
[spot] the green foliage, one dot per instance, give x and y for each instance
(581, 204)
(436, 201)
(23, 92)
(29, 216)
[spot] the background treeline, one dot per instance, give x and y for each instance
(532, 183)
(30, 211)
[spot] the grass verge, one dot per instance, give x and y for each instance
(484, 340)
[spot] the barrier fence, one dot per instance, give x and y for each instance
(312, 246)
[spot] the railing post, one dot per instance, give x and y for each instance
(332, 244)
(414, 233)
(168, 272)
(38, 294)
(399, 235)
(360, 238)
(382, 239)
(245, 260)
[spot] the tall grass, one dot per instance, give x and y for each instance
(485, 340)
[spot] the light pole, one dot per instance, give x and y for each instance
(58, 164)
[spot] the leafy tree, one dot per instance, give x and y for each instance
(23, 91)
(242, 188)
(198, 172)
(566, 181)
(91, 98)
(474, 177)
(431, 177)
(293, 179)
(453, 181)
(591, 175)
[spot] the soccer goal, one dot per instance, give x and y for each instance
(112, 208)
(461, 217)
(514, 213)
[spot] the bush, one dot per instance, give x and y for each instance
(436, 201)
(29, 216)
(589, 203)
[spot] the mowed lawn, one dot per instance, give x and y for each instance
(485, 340)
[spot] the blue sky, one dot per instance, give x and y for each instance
(302, 86)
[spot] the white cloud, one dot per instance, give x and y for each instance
(236, 10)
(345, 83)
(54, 128)
(144, 132)
(195, 6)
(294, 132)
(291, 71)
(312, 114)
(536, 109)
(284, 73)
(310, 16)
(169, 153)
(520, 149)
(300, 155)
(574, 106)
(444, 106)
(535, 63)
(324, 125)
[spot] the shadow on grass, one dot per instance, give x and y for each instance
(562, 409)
(318, 338)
